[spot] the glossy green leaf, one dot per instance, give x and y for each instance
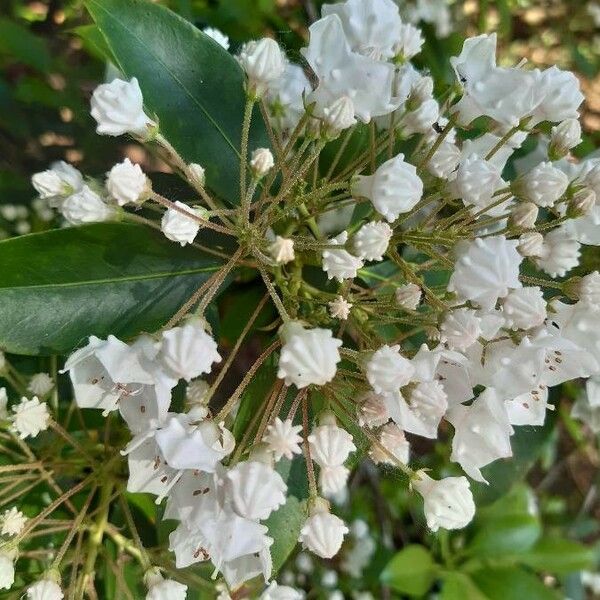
(506, 535)
(512, 583)
(193, 85)
(61, 286)
(284, 527)
(23, 46)
(458, 586)
(411, 571)
(558, 556)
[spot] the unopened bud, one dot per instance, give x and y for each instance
(582, 202)
(531, 244)
(589, 289)
(565, 136)
(264, 62)
(282, 250)
(409, 296)
(339, 116)
(262, 162)
(197, 174)
(523, 215)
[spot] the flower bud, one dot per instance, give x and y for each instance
(565, 136)
(339, 308)
(448, 503)
(218, 36)
(178, 227)
(408, 296)
(264, 62)
(323, 533)
(45, 589)
(127, 183)
(86, 207)
(282, 250)
(118, 108)
(262, 162)
(338, 116)
(7, 569)
(409, 42)
(372, 239)
(160, 588)
(583, 202)
(531, 243)
(197, 174)
(523, 215)
(543, 185)
(589, 289)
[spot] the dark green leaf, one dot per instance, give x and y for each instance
(191, 83)
(284, 527)
(411, 571)
(512, 583)
(505, 536)
(23, 46)
(61, 286)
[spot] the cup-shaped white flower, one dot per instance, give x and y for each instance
(86, 206)
(448, 503)
(323, 533)
(372, 239)
(308, 356)
(255, 489)
(118, 108)
(178, 226)
(126, 183)
(188, 351)
(46, 589)
(393, 189)
(388, 370)
(264, 62)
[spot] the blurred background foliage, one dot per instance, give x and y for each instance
(542, 512)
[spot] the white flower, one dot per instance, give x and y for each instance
(524, 214)
(7, 570)
(560, 253)
(13, 521)
(371, 241)
(342, 72)
(330, 445)
(282, 250)
(62, 179)
(531, 244)
(556, 94)
(372, 27)
(564, 136)
(323, 533)
(264, 62)
(448, 503)
(188, 351)
(408, 296)
(178, 226)
(373, 411)
(187, 446)
(543, 185)
(86, 206)
(583, 202)
(477, 180)
(387, 370)
(409, 41)
(445, 160)
(285, 97)
(197, 174)
(40, 384)
(340, 264)
(529, 408)
(46, 589)
(339, 116)
(118, 108)
(393, 189)
(261, 162)
(525, 308)
(163, 589)
(127, 183)
(339, 308)
(589, 289)
(280, 592)
(218, 36)
(460, 328)
(421, 119)
(487, 269)
(255, 489)
(31, 417)
(308, 355)
(482, 433)
(283, 439)
(392, 438)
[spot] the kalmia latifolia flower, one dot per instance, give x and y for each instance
(366, 263)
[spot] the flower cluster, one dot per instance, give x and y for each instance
(421, 288)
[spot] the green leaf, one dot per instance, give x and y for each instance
(284, 527)
(458, 586)
(23, 46)
(505, 536)
(511, 583)
(193, 85)
(558, 556)
(411, 571)
(61, 286)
